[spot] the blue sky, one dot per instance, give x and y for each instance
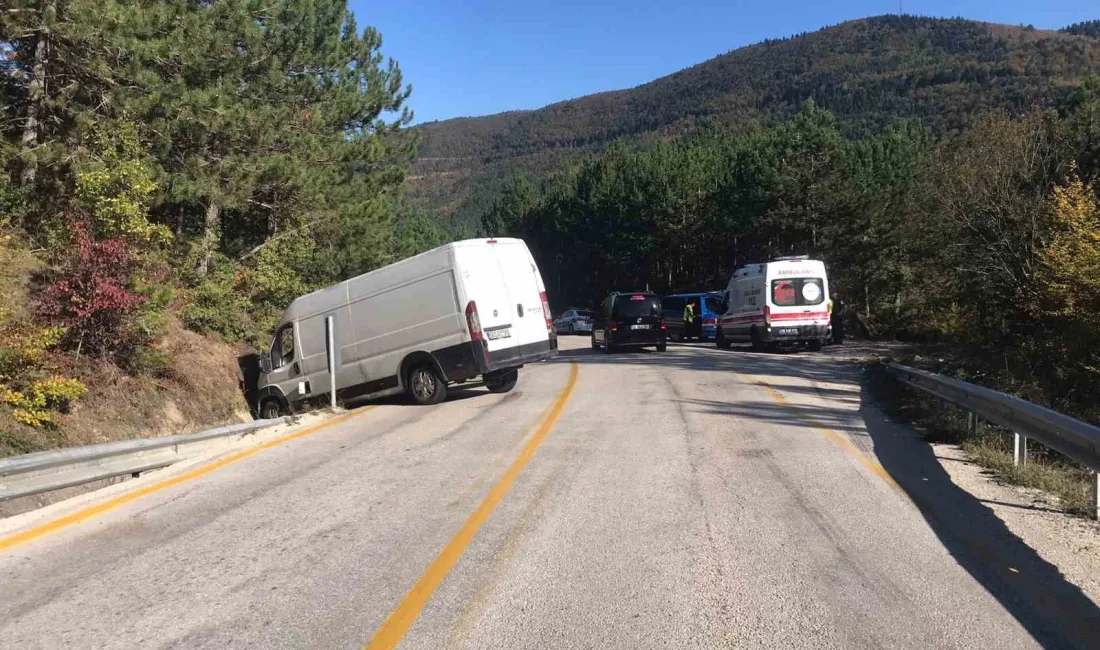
(475, 57)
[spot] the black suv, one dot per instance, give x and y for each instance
(629, 320)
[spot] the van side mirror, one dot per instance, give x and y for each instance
(265, 364)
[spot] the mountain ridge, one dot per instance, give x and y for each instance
(869, 72)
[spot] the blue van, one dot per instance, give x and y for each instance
(709, 307)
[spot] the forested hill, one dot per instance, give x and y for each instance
(866, 72)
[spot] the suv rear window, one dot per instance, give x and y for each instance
(635, 305)
(796, 292)
(714, 304)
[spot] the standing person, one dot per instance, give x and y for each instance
(837, 320)
(689, 320)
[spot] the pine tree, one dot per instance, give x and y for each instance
(54, 78)
(268, 118)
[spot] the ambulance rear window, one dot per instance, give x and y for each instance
(797, 292)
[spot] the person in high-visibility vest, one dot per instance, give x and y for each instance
(689, 320)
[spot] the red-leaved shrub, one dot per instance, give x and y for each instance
(90, 293)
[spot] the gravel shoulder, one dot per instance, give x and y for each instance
(1065, 541)
(1070, 543)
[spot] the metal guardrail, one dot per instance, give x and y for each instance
(46, 471)
(1076, 439)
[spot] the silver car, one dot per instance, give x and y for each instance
(575, 321)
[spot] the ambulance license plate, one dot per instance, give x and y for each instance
(787, 331)
(494, 335)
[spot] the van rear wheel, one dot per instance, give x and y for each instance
(503, 381)
(426, 386)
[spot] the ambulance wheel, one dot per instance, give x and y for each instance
(503, 381)
(815, 345)
(426, 386)
(720, 340)
(758, 345)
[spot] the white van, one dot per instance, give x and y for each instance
(783, 301)
(471, 308)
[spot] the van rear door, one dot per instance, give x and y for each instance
(524, 287)
(484, 285)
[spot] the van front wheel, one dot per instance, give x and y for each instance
(426, 386)
(503, 381)
(270, 409)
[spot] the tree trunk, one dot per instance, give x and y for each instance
(37, 94)
(211, 234)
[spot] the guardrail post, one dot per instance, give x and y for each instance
(971, 422)
(330, 342)
(1018, 445)
(1096, 495)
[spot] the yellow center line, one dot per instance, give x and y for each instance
(838, 439)
(112, 504)
(398, 622)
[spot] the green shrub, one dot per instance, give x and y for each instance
(216, 305)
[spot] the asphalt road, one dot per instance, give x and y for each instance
(691, 499)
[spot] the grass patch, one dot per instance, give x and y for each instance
(12, 444)
(1044, 470)
(990, 446)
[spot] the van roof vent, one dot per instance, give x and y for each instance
(791, 258)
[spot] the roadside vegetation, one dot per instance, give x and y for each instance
(173, 174)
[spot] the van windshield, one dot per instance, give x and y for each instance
(634, 306)
(797, 292)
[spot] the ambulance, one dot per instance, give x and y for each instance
(781, 302)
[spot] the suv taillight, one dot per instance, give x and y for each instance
(473, 322)
(546, 312)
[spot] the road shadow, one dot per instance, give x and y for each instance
(705, 358)
(1051, 608)
(454, 394)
